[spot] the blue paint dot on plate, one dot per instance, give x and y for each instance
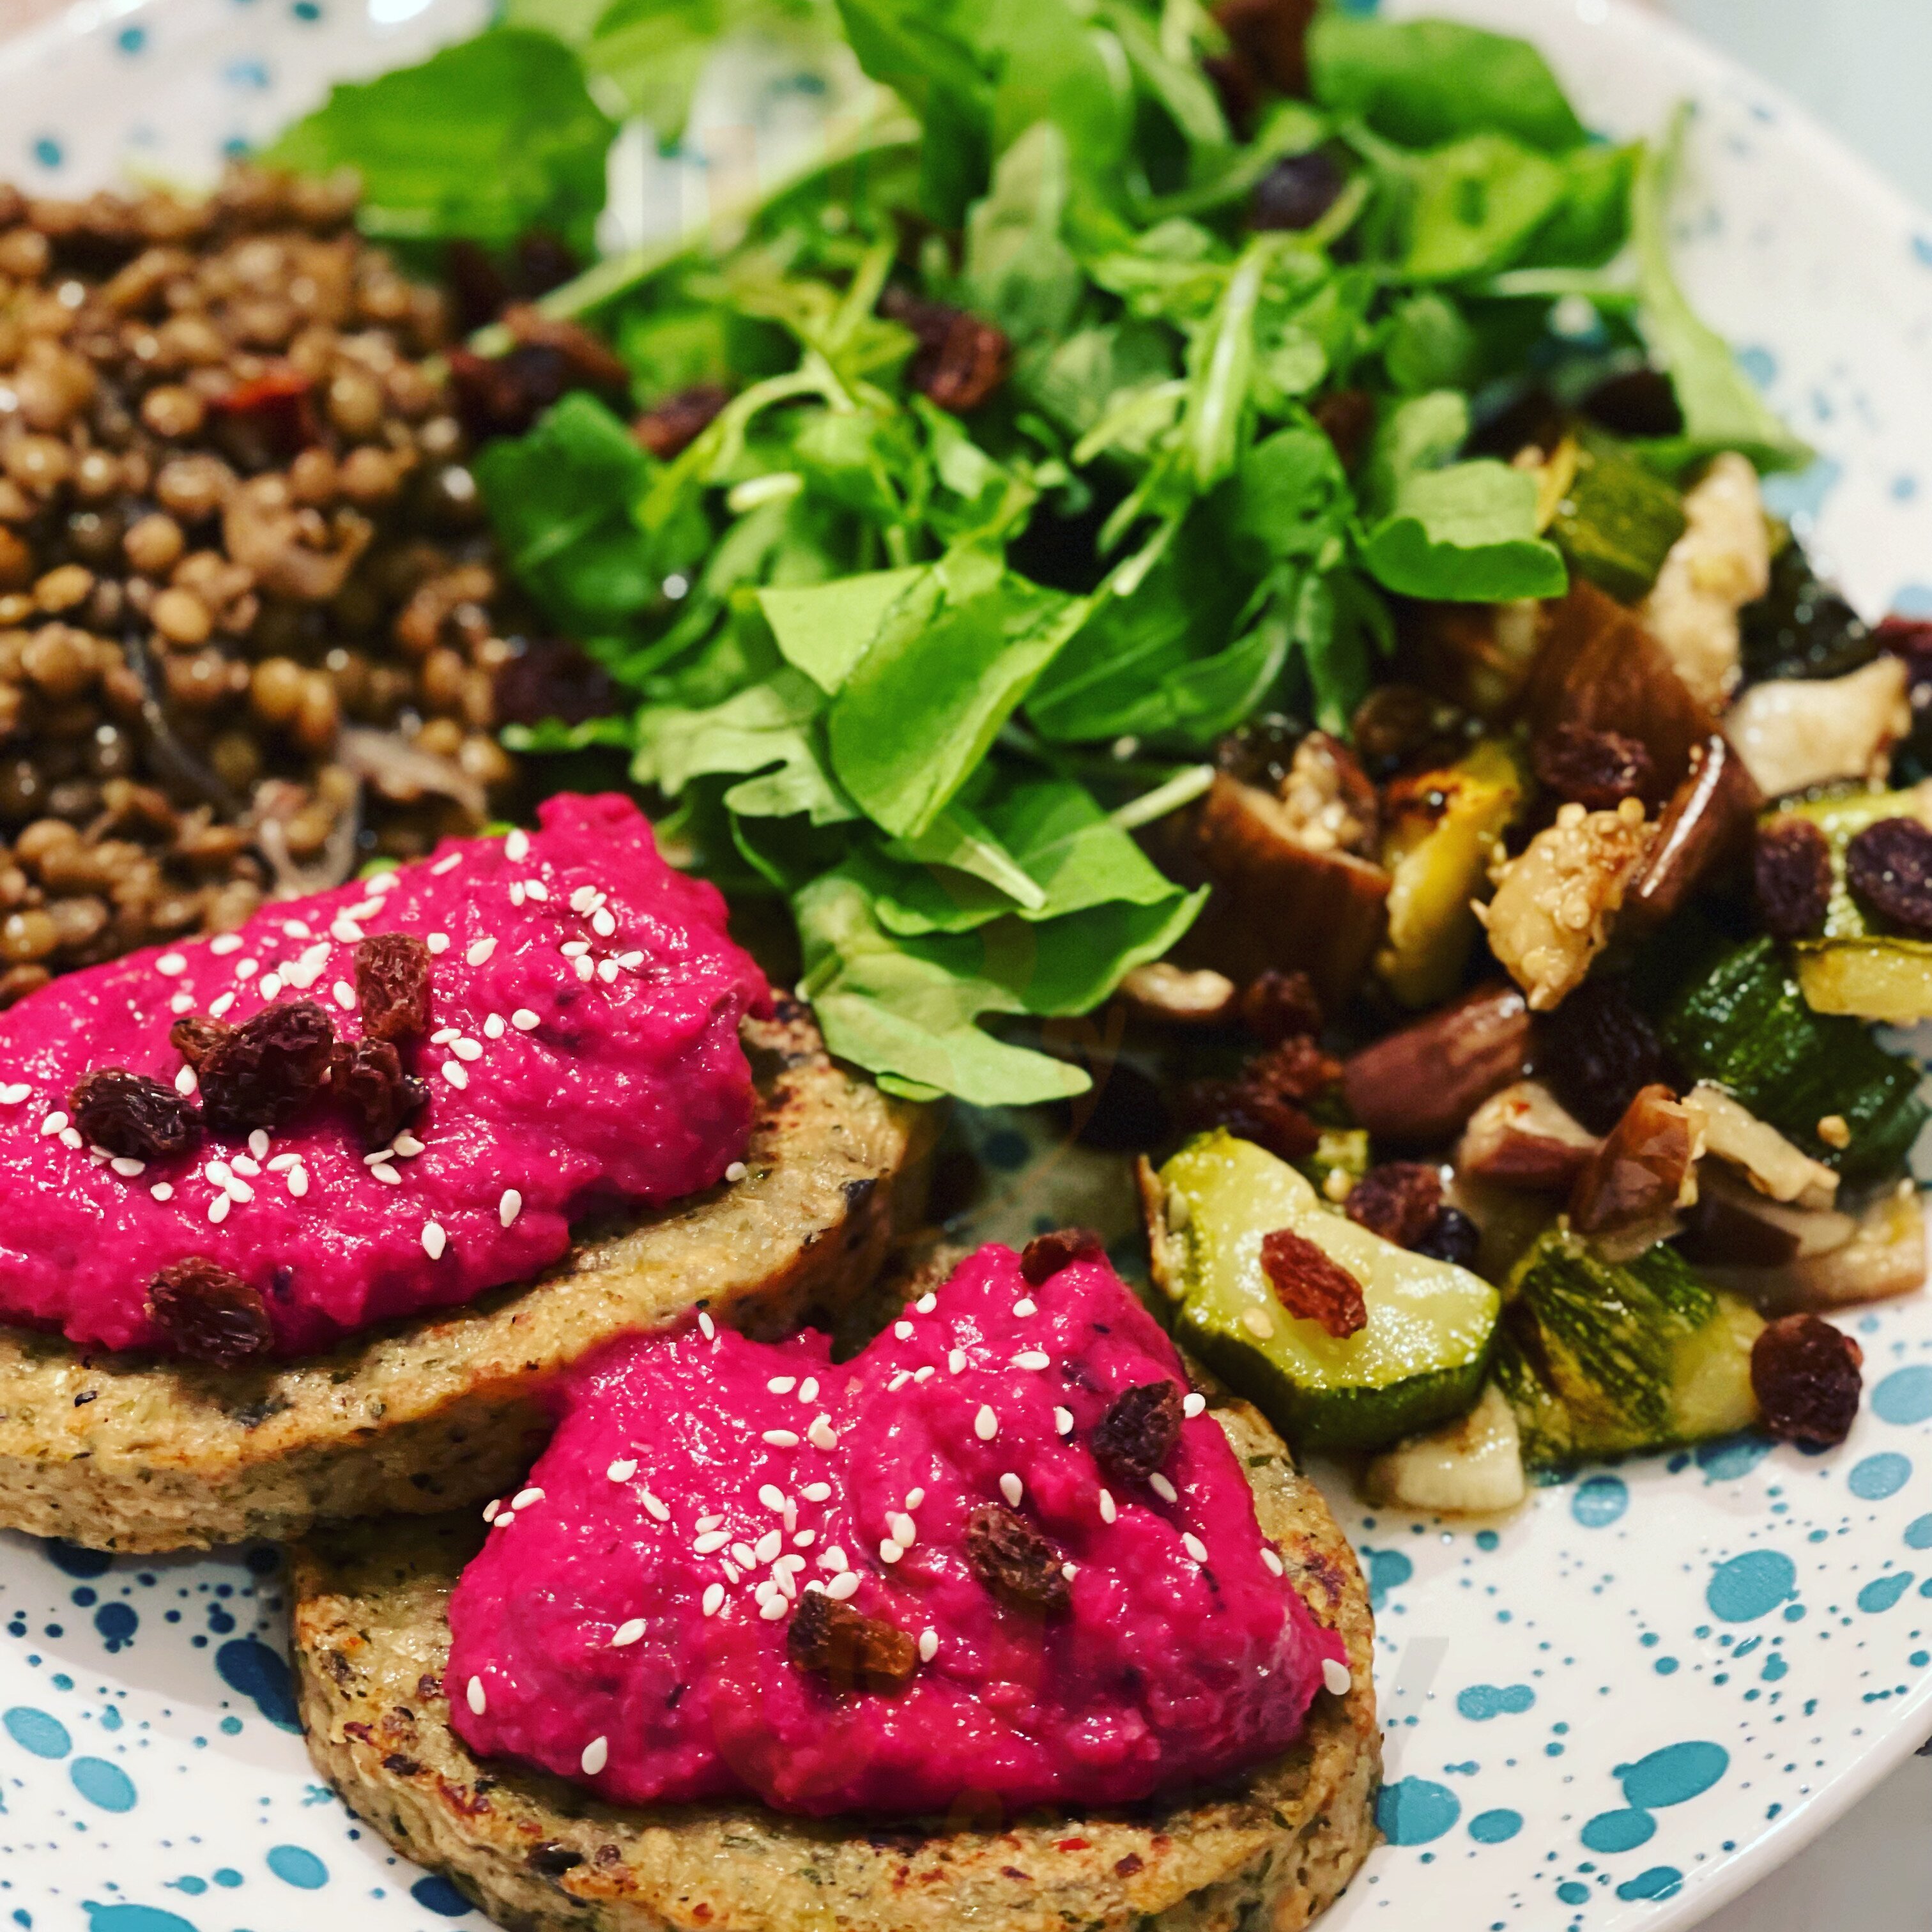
(293, 1865)
(49, 152)
(1759, 364)
(1905, 1395)
(1751, 1585)
(1731, 1456)
(228, 1877)
(1660, 1881)
(1673, 1775)
(262, 1674)
(1495, 1828)
(1882, 1592)
(1619, 1831)
(1487, 1539)
(1482, 1701)
(131, 40)
(1878, 1476)
(1919, 1533)
(1571, 1893)
(307, 10)
(1665, 1667)
(115, 1625)
(102, 1783)
(1599, 1501)
(34, 1731)
(127, 1919)
(1775, 1669)
(436, 1893)
(1388, 1570)
(1921, 247)
(1413, 1811)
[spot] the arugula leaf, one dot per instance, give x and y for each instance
(485, 139)
(1474, 205)
(1721, 408)
(957, 653)
(561, 501)
(1463, 531)
(1018, 270)
(1426, 83)
(826, 628)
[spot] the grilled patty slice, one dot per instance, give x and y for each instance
(1267, 1854)
(119, 1452)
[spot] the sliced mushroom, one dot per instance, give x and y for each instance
(1828, 1260)
(291, 549)
(1629, 1196)
(1417, 1087)
(1523, 1137)
(1704, 828)
(1720, 563)
(404, 772)
(1796, 732)
(1769, 1162)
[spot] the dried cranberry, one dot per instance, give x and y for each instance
(1399, 1201)
(1807, 1377)
(1597, 770)
(1596, 1052)
(1451, 1236)
(1398, 724)
(1346, 419)
(1137, 1432)
(209, 1315)
(1014, 1561)
(1909, 638)
(1889, 866)
(503, 395)
(1277, 1006)
(261, 425)
(1272, 37)
(392, 985)
(476, 283)
(197, 1036)
(1312, 1287)
(1638, 402)
(590, 361)
(1296, 193)
(1791, 867)
(549, 678)
(851, 1651)
(1045, 1255)
(268, 1069)
(128, 1114)
(672, 425)
(962, 358)
(367, 1077)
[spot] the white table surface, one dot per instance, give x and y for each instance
(1864, 67)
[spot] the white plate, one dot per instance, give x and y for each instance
(1616, 1712)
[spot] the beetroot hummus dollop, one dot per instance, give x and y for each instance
(580, 1049)
(639, 1616)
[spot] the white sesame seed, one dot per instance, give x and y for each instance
(126, 1166)
(769, 1545)
(924, 1375)
(890, 1551)
(1012, 1488)
(903, 1330)
(574, 949)
(714, 1599)
(928, 1645)
(621, 1471)
(585, 970)
(1195, 1547)
(845, 1584)
(956, 1360)
(711, 1541)
(1107, 1512)
(583, 899)
(71, 1137)
(225, 943)
(516, 848)
(218, 1007)
(1069, 1571)
(523, 1020)
(480, 950)
(705, 1522)
(1062, 1421)
(736, 1172)
(98, 1155)
(1033, 1359)
(1025, 1306)
(471, 1050)
(985, 1424)
(655, 1507)
(246, 969)
(1272, 1561)
(475, 1696)
(821, 1435)
(833, 1558)
(53, 1124)
(781, 1439)
(271, 985)
(606, 971)
(453, 1071)
(434, 1240)
(630, 961)
(344, 995)
(773, 1608)
(181, 1003)
(744, 1556)
(624, 1635)
(787, 1583)
(495, 1026)
(914, 1497)
(808, 1390)
(13, 1095)
(217, 1209)
(927, 1303)
(171, 963)
(537, 889)
(596, 1756)
(298, 1181)
(516, 892)
(162, 1191)
(602, 924)
(731, 1570)
(258, 1144)
(509, 1206)
(491, 1507)
(782, 1384)
(706, 1327)
(438, 943)
(383, 1170)
(523, 1498)
(805, 1539)
(817, 1492)
(772, 1497)
(1335, 1676)
(1162, 1488)
(905, 1531)
(408, 1146)
(1192, 1404)
(218, 1171)
(346, 930)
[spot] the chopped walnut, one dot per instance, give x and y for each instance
(1330, 802)
(1720, 563)
(1552, 908)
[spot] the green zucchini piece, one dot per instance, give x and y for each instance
(1744, 1025)
(1800, 627)
(1599, 1359)
(1617, 521)
(1420, 1358)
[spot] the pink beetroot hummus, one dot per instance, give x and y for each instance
(626, 1623)
(583, 1051)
